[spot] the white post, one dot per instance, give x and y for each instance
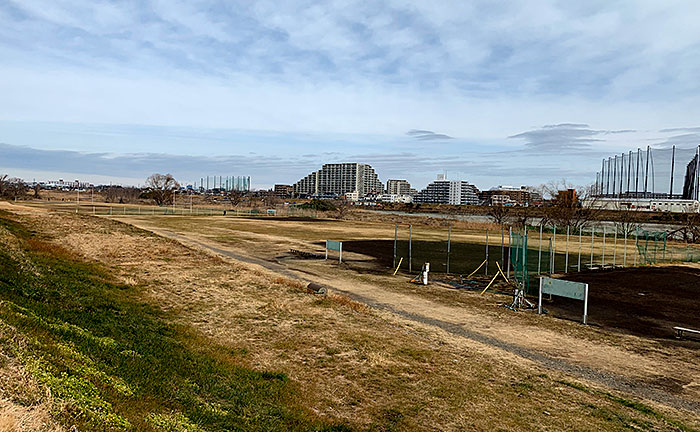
(624, 256)
(602, 262)
(585, 305)
(340, 258)
(566, 261)
(592, 239)
(615, 248)
(510, 246)
(580, 231)
(486, 270)
(554, 249)
(539, 299)
(539, 252)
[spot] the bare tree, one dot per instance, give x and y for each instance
(342, 208)
(519, 216)
(625, 219)
(37, 191)
(566, 208)
(12, 187)
(4, 183)
(270, 199)
(161, 188)
(690, 231)
(499, 213)
(121, 195)
(235, 197)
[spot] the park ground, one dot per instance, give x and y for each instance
(204, 323)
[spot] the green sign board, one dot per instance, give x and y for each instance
(564, 288)
(334, 245)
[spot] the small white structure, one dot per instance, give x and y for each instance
(424, 273)
(644, 204)
(393, 198)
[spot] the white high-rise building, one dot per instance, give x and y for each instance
(443, 191)
(340, 179)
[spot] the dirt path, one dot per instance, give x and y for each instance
(564, 355)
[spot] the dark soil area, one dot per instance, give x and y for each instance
(646, 301)
(464, 257)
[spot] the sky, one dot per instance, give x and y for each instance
(492, 92)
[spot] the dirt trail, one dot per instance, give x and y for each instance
(615, 368)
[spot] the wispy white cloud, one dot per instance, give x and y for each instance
(480, 70)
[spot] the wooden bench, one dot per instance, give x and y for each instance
(680, 331)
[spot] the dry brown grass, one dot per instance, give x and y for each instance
(24, 405)
(348, 361)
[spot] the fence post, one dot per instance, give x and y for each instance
(580, 231)
(449, 235)
(566, 261)
(524, 262)
(602, 261)
(486, 270)
(539, 253)
(554, 249)
(624, 256)
(551, 262)
(592, 244)
(615, 248)
(410, 258)
(510, 247)
(396, 229)
(503, 256)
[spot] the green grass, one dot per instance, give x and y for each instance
(113, 363)
(639, 407)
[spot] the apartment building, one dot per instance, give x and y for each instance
(443, 191)
(339, 179)
(399, 187)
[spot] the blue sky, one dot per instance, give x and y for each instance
(517, 92)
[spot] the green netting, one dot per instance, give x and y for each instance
(519, 260)
(651, 246)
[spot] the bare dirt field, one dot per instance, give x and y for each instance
(647, 301)
(380, 353)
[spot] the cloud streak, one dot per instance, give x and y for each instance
(426, 135)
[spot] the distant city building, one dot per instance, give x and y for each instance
(394, 198)
(283, 190)
(566, 198)
(443, 191)
(509, 195)
(643, 204)
(340, 179)
(399, 187)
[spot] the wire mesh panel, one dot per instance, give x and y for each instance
(518, 259)
(651, 246)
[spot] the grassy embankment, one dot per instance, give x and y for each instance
(112, 363)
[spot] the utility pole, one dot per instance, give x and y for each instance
(673, 162)
(614, 183)
(629, 172)
(636, 177)
(646, 173)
